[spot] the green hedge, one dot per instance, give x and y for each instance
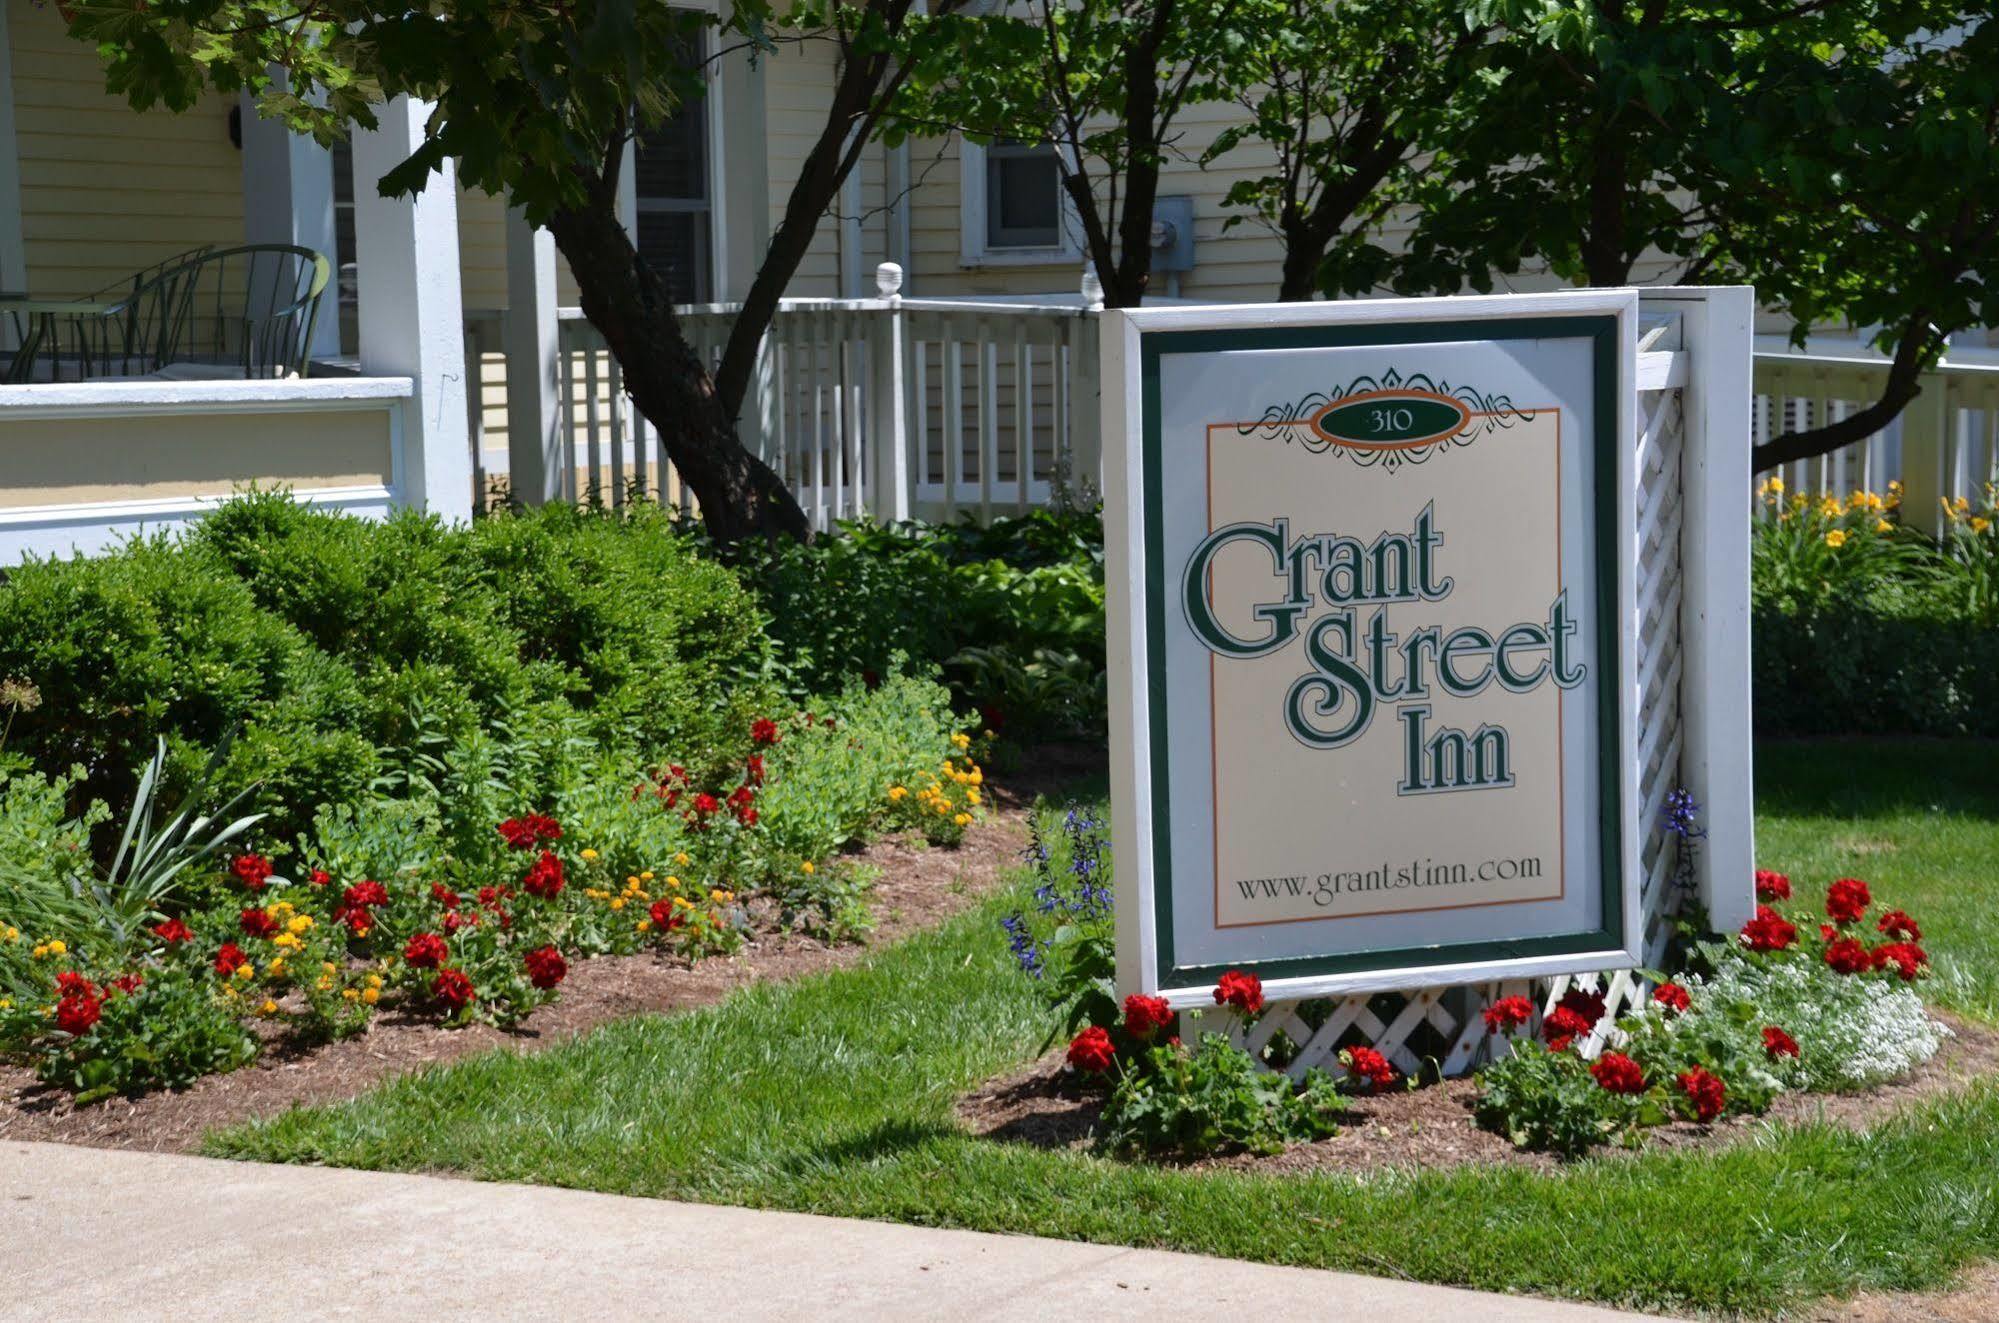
(340, 652)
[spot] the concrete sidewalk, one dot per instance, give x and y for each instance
(92, 1234)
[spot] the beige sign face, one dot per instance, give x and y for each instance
(1451, 798)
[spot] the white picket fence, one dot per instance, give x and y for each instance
(895, 407)
(1945, 446)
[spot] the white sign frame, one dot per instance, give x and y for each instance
(1129, 336)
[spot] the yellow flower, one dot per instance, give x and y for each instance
(645, 876)
(1776, 485)
(978, 778)
(806, 867)
(681, 859)
(5, 1004)
(721, 897)
(618, 902)
(1980, 523)
(9, 933)
(286, 942)
(281, 910)
(590, 854)
(962, 740)
(41, 949)
(682, 902)
(349, 994)
(276, 969)
(896, 794)
(1883, 526)
(1836, 538)
(245, 972)
(971, 796)
(374, 980)
(57, 948)
(369, 996)
(643, 925)
(300, 924)
(268, 1008)
(962, 819)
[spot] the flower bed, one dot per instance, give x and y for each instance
(382, 907)
(1796, 1003)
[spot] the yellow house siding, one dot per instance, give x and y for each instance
(106, 191)
(798, 81)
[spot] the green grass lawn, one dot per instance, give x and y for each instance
(834, 1094)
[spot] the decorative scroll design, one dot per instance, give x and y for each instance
(1296, 423)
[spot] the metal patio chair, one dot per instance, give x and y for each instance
(253, 309)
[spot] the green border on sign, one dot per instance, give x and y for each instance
(1602, 330)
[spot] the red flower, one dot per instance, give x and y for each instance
(1847, 899)
(1564, 1026)
(1706, 1094)
(664, 916)
(78, 1008)
(230, 959)
(1091, 1051)
(1364, 1063)
(455, 920)
(129, 983)
(454, 989)
(1827, 932)
(1616, 1073)
(763, 731)
(741, 795)
(1586, 1002)
(1673, 997)
(1145, 1016)
(256, 923)
(1848, 956)
(755, 769)
(360, 920)
(546, 967)
(992, 716)
(1772, 886)
(173, 932)
(69, 983)
(319, 877)
(1508, 1014)
(252, 870)
(426, 951)
(705, 804)
(491, 896)
(1240, 990)
(1908, 959)
(1777, 1043)
(524, 833)
(747, 816)
(1769, 931)
(544, 877)
(1898, 925)
(444, 895)
(365, 895)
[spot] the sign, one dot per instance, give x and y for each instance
(1372, 718)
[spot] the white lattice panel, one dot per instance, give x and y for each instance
(1444, 1026)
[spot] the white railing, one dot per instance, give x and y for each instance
(898, 408)
(1945, 446)
(933, 409)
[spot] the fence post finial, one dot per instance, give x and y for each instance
(888, 279)
(1093, 289)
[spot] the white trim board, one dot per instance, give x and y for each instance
(130, 399)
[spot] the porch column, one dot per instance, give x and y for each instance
(739, 147)
(411, 314)
(534, 392)
(288, 198)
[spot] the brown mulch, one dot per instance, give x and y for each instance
(919, 887)
(1431, 1127)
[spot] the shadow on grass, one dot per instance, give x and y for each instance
(1860, 776)
(886, 1139)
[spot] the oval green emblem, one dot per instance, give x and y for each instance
(1391, 420)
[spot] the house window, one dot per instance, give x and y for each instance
(1015, 210)
(1023, 196)
(346, 283)
(675, 198)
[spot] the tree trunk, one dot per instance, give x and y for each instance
(1904, 384)
(631, 308)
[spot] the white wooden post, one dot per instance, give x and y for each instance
(532, 343)
(888, 418)
(288, 199)
(1925, 428)
(411, 314)
(739, 148)
(1086, 451)
(1718, 330)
